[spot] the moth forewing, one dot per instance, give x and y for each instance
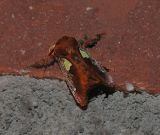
(68, 79)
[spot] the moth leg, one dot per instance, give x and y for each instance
(90, 43)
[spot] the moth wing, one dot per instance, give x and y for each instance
(74, 89)
(104, 71)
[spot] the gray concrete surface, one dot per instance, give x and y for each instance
(45, 107)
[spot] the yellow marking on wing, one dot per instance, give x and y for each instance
(84, 54)
(67, 64)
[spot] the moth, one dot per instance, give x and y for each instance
(82, 73)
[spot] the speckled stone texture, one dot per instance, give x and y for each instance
(45, 107)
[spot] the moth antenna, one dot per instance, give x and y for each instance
(100, 35)
(89, 43)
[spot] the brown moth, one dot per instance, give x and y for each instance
(82, 73)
